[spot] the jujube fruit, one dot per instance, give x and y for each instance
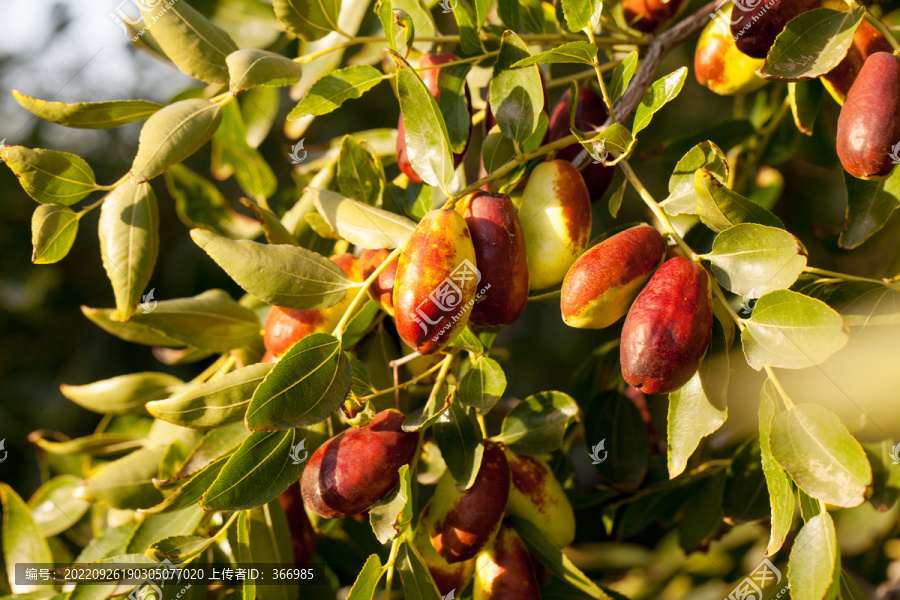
(462, 522)
(287, 326)
(604, 281)
(755, 30)
(651, 15)
(503, 571)
(430, 79)
(501, 259)
(590, 113)
(867, 40)
(667, 328)
(536, 495)
(356, 468)
(720, 66)
(869, 124)
(436, 281)
(556, 220)
(382, 289)
(447, 577)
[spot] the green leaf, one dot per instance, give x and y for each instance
(308, 19)
(48, 176)
(613, 418)
(703, 514)
(88, 115)
(273, 228)
(98, 444)
(155, 527)
(258, 471)
(580, 13)
(621, 77)
(812, 44)
(792, 331)
(553, 558)
(461, 444)
(367, 579)
(508, 11)
(516, 93)
(393, 513)
(662, 92)
(869, 205)
(427, 139)
(453, 101)
(812, 444)
(805, 98)
(122, 394)
(217, 402)
(572, 52)
(360, 224)
(129, 242)
(192, 488)
(185, 548)
(496, 150)
(250, 67)
(692, 417)
(615, 200)
(538, 423)
(850, 590)
(815, 561)
(190, 40)
(359, 172)
(259, 108)
(359, 325)
(307, 384)
(417, 581)
(22, 539)
(232, 155)
(615, 138)
(132, 331)
(173, 134)
(335, 88)
(54, 506)
(280, 275)
(752, 260)
(199, 203)
(53, 231)
(483, 385)
(438, 403)
(211, 320)
(781, 490)
(127, 483)
(682, 196)
(720, 208)
(269, 541)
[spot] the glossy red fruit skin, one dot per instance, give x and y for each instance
(589, 114)
(504, 571)
(500, 255)
(430, 79)
(869, 124)
(667, 328)
(651, 15)
(382, 289)
(355, 469)
(755, 30)
(303, 536)
(866, 41)
(460, 533)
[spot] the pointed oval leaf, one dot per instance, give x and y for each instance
(280, 275)
(720, 208)
(367, 580)
(516, 93)
(453, 100)
(88, 115)
(781, 490)
(682, 196)
(538, 423)
(663, 91)
(579, 13)
(233, 156)
(49, 176)
(621, 77)
(129, 242)
(190, 40)
(335, 88)
(359, 172)
(308, 19)
(812, 444)
(392, 514)
(815, 563)
(54, 506)
(214, 403)
(251, 67)
(752, 260)
(192, 487)
(572, 52)
(417, 581)
(792, 331)
(869, 205)
(692, 417)
(360, 224)
(483, 385)
(53, 231)
(22, 539)
(137, 333)
(127, 483)
(307, 384)
(173, 134)
(122, 394)
(461, 444)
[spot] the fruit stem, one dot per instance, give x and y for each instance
(339, 330)
(788, 403)
(656, 210)
(883, 29)
(586, 74)
(442, 375)
(108, 188)
(402, 386)
(223, 363)
(389, 580)
(842, 276)
(610, 107)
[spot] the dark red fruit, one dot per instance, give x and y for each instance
(355, 469)
(868, 129)
(651, 15)
(504, 570)
(500, 256)
(303, 536)
(755, 30)
(589, 114)
(668, 328)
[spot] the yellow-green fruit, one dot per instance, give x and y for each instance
(719, 65)
(556, 221)
(536, 495)
(447, 577)
(503, 570)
